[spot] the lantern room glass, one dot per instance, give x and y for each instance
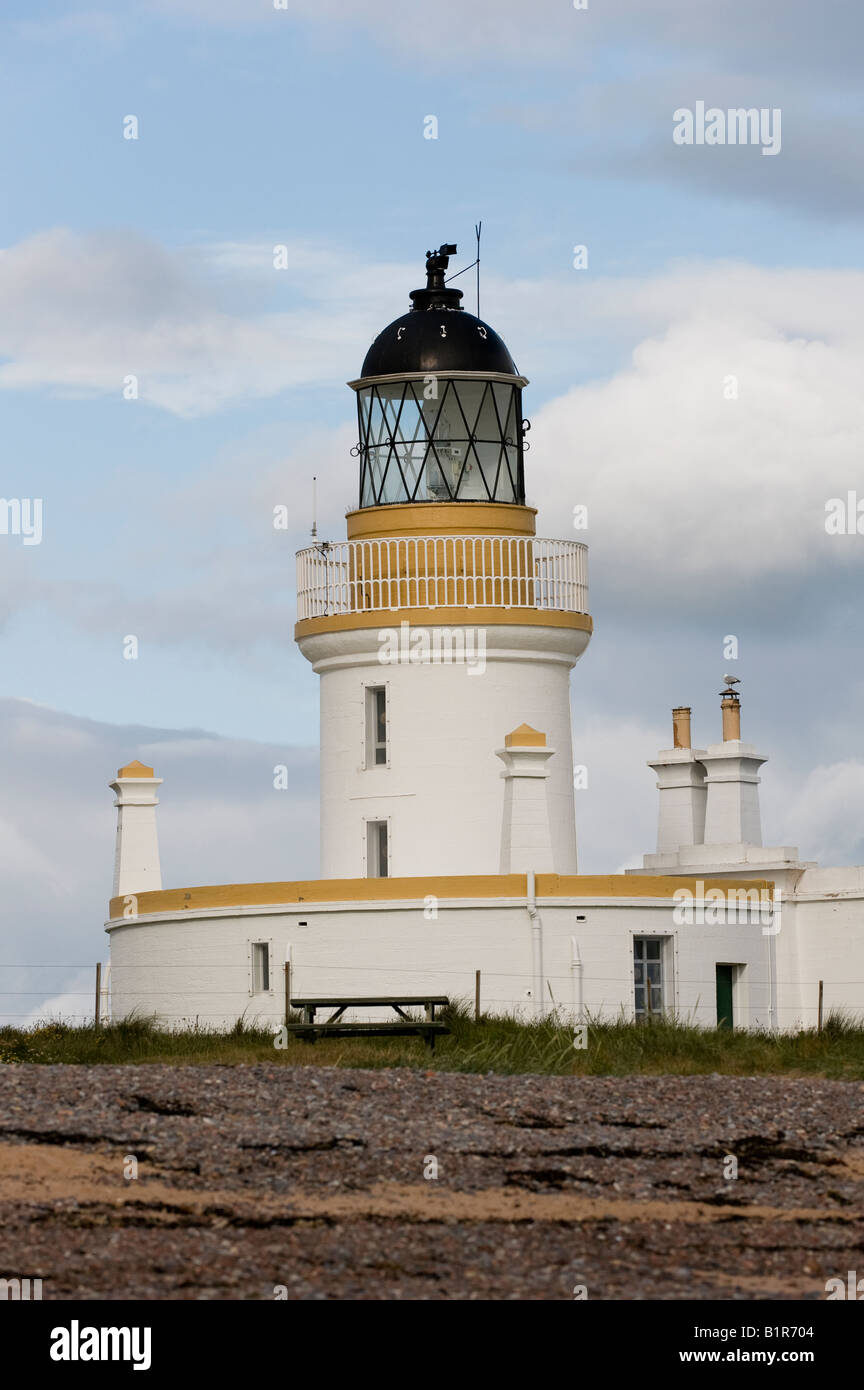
(440, 440)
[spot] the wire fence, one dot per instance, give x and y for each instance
(236, 995)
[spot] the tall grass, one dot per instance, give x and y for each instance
(501, 1045)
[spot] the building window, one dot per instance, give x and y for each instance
(377, 865)
(260, 967)
(648, 976)
(376, 726)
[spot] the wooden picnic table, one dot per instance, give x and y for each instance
(403, 1025)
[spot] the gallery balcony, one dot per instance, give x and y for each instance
(390, 574)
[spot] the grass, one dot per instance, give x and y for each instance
(492, 1045)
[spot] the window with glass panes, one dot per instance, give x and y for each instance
(376, 726)
(377, 849)
(648, 975)
(260, 967)
(463, 443)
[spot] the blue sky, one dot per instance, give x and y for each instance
(304, 126)
(260, 127)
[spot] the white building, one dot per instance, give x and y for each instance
(443, 632)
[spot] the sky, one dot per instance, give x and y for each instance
(695, 385)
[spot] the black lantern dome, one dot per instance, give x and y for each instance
(439, 405)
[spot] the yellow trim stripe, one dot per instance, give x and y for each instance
(480, 886)
(441, 519)
(444, 617)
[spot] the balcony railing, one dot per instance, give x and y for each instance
(392, 573)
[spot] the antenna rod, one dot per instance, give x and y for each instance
(314, 508)
(477, 227)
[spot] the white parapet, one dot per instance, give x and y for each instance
(136, 856)
(387, 572)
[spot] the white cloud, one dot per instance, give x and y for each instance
(79, 313)
(775, 31)
(691, 495)
(616, 814)
(74, 1003)
(431, 36)
(820, 808)
(25, 860)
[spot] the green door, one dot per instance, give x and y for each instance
(724, 996)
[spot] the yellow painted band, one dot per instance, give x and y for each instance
(480, 886)
(444, 617)
(441, 519)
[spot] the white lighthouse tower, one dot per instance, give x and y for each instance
(443, 629)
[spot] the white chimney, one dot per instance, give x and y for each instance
(136, 857)
(731, 778)
(526, 838)
(681, 783)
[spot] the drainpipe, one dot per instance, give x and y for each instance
(772, 965)
(577, 978)
(536, 944)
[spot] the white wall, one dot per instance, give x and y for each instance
(442, 793)
(196, 964)
(825, 942)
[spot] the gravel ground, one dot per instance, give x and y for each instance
(313, 1179)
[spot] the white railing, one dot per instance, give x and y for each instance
(442, 572)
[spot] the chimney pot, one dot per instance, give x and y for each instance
(681, 726)
(731, 708)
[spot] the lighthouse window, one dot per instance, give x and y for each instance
(462, 442)
(377, 863)
(260, 967)
(376, 726)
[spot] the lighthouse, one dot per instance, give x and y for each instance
(443, 632)
(442, 629)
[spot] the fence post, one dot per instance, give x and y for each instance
(477, 996)
(820, 1005)
(287, 991)
(97, 1011)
